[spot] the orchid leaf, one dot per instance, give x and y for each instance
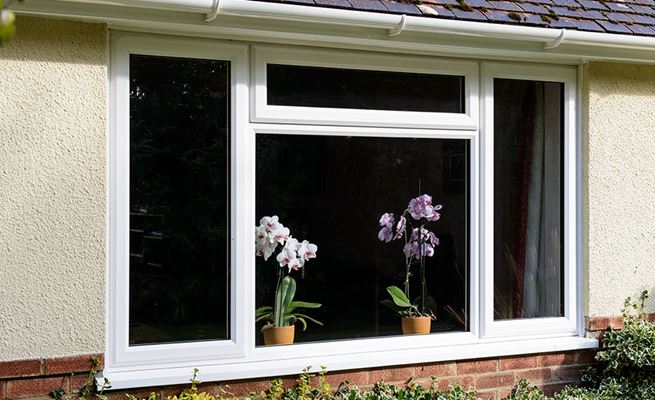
(283, 297)
(264, 317)
(317, 322)
(398, 297)
(301, 304)
(303, 322)
(263, 310)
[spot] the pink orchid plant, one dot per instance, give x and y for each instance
(420, 243)
(269, 235)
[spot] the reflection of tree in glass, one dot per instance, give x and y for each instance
(179, 183)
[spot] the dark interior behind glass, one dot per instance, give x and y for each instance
(179, 199)
(528, 198)
(296, 85)
(331, 191)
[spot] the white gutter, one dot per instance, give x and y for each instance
(200, 6)
(394, 24)
(550, 37)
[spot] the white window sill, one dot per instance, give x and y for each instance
(255, 367)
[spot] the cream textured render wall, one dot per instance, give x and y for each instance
(620, 174)
(52, 189)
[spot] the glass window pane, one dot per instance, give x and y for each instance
(332, 191)
(528, 197)
(179, 199)
(295, 85)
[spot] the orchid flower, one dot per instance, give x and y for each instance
(386, 234)
(307, 250)
(419, 244)
(421, 207)
(400, 228)
(387, 219)
(270, 233)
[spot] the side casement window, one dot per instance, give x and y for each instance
(387, 165)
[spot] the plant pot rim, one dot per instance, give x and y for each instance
(278, 327)
(421, 317)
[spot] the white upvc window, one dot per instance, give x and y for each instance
(208, 137)
(264, 108)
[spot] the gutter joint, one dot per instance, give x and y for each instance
(557, 42)
(400, 28)
(216, 6)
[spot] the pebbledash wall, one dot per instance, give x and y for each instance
(53, 131)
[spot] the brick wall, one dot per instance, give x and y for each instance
(595, 326)
(493, 378)
(26, 379)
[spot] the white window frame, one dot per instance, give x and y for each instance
(120, 353)
(238, 357)
(263, 112)
(568, 324)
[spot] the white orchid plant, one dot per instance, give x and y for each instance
(420, 243)
(269, 235)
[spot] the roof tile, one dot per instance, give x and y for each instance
(645, 2)
(334, 3)
(442, 2)
(401, 8)
(479, 3)
(592, 4)
(473, 15)
(505, 6)
(566, 12)
(534, 8)
(641, 9)
(643, 19)
(534, 19)
(306, 2)
(564, 23)
(614, 27)
(591, 14)
(435, 10)
(503, 16)
(618, 17)
(642, 29)
(620, 7)
(368, 5)
(586, 25)
(566, 3)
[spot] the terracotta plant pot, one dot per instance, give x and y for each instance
(279, 334)
(416, 325)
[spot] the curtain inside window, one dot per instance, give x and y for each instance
(528, 198)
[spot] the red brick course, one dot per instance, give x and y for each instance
(17, 369)
(67, 365)
(35, 387)
(600, 324)
(477, 367)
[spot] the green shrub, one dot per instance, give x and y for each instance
(626, 358)
(524, 391)
(304, 390)
(626, 371)
(630, 352)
